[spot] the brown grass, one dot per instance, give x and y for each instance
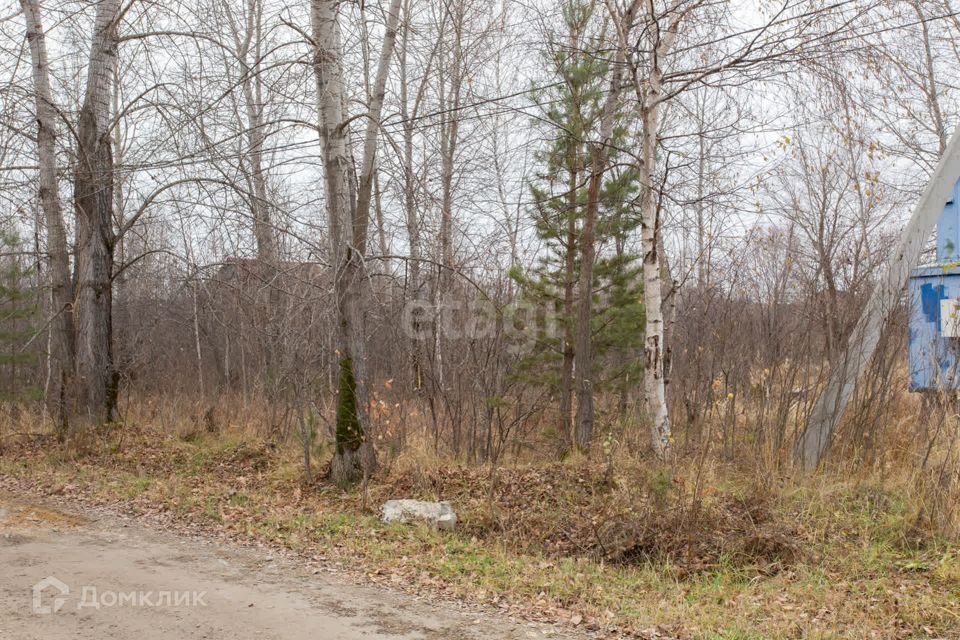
(703, 549)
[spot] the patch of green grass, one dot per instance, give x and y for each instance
(212, 509)
(200, 463)
(240, 500)
(137, 487)
(334, 525)
(184, 502)
(947, 570)
(302, 521)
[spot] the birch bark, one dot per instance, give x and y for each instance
(654, 381)
(648, 87)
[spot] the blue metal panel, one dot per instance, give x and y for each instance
(933, 359)
(948, 230)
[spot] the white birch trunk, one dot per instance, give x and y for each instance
(654, 381)
(653, 372)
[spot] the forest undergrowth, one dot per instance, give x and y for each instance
(620, 544)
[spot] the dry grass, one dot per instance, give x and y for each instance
(702, 550)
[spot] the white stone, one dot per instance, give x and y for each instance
(437, 515)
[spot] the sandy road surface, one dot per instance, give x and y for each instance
(215, 590)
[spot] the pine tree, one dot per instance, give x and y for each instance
(569, 114)
(18, 319)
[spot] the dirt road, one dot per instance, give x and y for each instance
(111, 578)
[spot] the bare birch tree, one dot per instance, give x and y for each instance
(659, 73)
(660, 31)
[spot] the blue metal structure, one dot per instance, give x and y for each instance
(932, 355)
(948, 230)
(934, 299)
